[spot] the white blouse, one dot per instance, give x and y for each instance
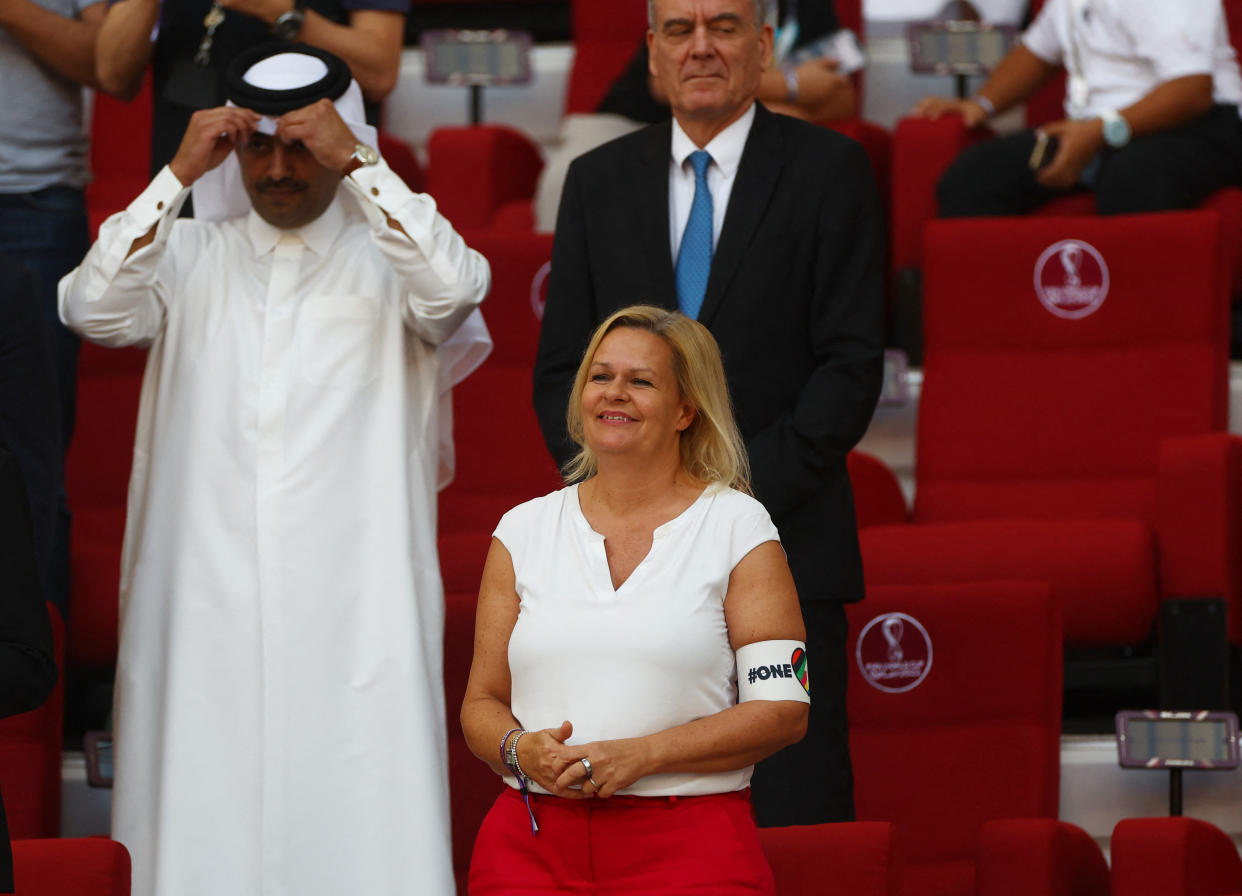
(631, 661)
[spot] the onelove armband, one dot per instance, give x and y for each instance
(773, 670)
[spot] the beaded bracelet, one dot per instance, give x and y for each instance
(511, 761)
(504, 740)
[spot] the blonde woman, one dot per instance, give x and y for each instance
(638, 641)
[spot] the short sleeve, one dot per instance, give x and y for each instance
(1042, 38)
(750, 527)
(512, 528)
(1179, 39)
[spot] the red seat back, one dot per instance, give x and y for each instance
(30, 746)
(606, 36)
(1027, 414)
(120, 153)
(97, 482)
(955, 717)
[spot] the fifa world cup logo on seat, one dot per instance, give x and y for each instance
(1071, 261)
(1071, 279)
(892, 629)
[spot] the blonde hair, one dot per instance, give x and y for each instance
(711, 446)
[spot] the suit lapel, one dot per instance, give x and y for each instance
(756, 178)
(652, 202)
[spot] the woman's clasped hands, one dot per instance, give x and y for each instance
(580, 771)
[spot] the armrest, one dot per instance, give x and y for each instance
(90, 866)
(878, 498)
(1039, 857)
(1199, 521)
(473, 171)
(1173, 856)
(922, 150)
(864, 864)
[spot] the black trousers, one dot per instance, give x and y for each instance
(812, 781)
(1173, 169)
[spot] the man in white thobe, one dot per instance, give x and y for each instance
(280, 709)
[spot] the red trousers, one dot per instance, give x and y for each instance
(656, 846)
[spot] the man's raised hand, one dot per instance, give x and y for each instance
(209, 138)
(320, 128)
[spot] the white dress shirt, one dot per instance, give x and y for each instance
(280, 707)
(726, 152)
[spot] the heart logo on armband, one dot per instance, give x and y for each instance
(798, 660)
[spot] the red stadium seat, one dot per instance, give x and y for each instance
(120, 153)
(93, 866)
(97, 482)
(473, 787)
(861, 857)
(1039, 857)
(955, 721)
(401, 159)
(501, 462)
(30, 746)
(1173, 857)
(501, 458)
(1084, 447)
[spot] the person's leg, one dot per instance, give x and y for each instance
(1175, 169)
(47, 231)
(992, 177)
(29, 424)
(812, 781)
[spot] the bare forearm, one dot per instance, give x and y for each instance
(1016, 78)
(823, 95)
(370, 44)
(1170, 105)
(65, 45)
(124, 46)
(729, 740)
(484, 721)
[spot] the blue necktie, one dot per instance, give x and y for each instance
(694, 258)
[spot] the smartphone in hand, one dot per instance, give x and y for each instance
(1045, 151)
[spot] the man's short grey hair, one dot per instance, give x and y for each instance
(761, 13)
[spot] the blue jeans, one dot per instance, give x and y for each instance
(46, 231)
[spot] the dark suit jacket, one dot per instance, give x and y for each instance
(794, 300)
(27, 669)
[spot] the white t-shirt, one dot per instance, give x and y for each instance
(651, 655)
(1121, 49)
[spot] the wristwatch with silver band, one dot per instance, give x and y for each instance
(362, 157)
(288, 25)
(1116, 129)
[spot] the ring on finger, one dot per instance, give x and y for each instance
(586, 763)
